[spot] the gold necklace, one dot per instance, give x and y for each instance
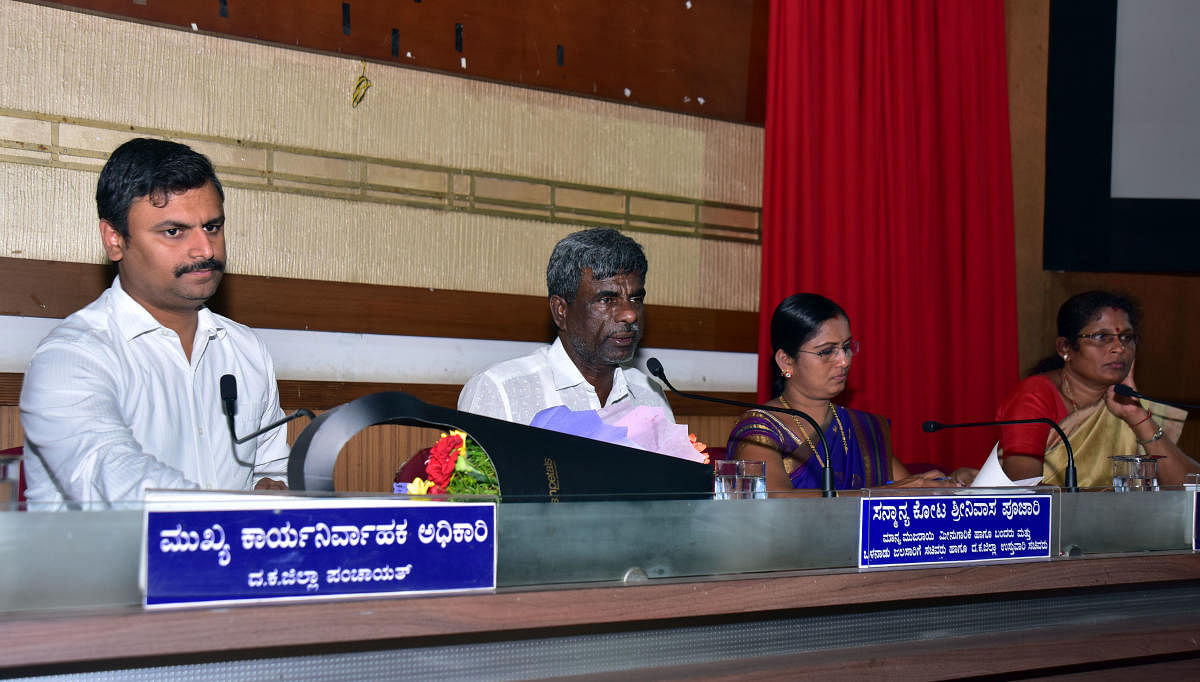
(836, 420)
(1067, 392)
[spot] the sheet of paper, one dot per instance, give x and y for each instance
(991, 474)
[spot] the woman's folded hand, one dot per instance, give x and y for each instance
(928, 479)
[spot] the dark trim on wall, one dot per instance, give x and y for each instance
(322, 395)
(35, 288)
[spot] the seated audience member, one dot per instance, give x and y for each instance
(596, 279)
(1095, 349)
(814, 348)
(124, 395)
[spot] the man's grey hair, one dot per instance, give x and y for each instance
(603, 250)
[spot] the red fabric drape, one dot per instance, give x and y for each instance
(888, 188)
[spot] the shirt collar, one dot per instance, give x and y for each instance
(133, 320)
(567, 375)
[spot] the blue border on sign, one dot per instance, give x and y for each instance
(1195, 519)
(313, 552)
(940, 530)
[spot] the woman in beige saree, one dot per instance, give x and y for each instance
(1096, 348)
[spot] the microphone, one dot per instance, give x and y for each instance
(229, 407)
(1123, 390)
(1072, 478)
(827, 489)
(229, 395)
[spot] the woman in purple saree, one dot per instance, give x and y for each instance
(862, 459)
(813, 346)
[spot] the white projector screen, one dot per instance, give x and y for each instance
(1156, 100)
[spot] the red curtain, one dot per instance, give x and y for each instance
(888, 188)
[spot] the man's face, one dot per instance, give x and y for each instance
(172, 261)
(603, 325)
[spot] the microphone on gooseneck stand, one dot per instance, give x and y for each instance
(229, 407)
(1123, 390)
(1071, 482)
(827, 489)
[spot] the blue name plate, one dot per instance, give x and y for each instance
(951, 529)
(1195, 520)
(303, 549)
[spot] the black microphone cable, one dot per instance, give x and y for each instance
(827, 489)
(1071, 482)
(229, 407)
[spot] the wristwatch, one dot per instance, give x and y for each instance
(1157, 434)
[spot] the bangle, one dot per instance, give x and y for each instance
(1157, 434)
(1148, 415)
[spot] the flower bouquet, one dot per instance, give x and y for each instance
(455, 465)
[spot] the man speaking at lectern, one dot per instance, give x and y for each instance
(124, 395)
(596, 280)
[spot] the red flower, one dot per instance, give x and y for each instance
(442, 458)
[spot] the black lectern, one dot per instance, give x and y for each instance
(531, 464)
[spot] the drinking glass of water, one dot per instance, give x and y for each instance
(752, 479)
(725, 483)
(1135, 472)
(740, 479)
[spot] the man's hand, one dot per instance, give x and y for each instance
(270, 484)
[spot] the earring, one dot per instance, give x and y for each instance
(787, 375)
(1066, 356)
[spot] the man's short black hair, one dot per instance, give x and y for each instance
(143, 167)
(603, 250)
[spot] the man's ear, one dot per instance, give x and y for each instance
(558, 310)
(113, 241)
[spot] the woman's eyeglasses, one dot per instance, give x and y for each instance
(850, 348)
(1126, 339)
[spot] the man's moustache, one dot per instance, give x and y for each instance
(210, 264)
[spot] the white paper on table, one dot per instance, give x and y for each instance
(651, 429)
(991, 474)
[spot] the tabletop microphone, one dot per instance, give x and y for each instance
(827, 489)
(1072, 478)
(229, 407)
(1123, 390)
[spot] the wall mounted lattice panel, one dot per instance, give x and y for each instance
(82, 144)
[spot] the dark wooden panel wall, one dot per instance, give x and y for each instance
(706, 58)
(35, 288)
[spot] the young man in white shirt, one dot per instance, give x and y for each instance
(596, 280)
(124, 395)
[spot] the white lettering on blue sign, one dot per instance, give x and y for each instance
(179, 539)
(322, 535)
(444, 532)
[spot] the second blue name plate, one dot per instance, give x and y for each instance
(950, 529)
(279, 548)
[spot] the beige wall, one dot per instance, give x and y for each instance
(321, 190)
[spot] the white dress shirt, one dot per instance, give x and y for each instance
(515, 390)
(111, 406)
